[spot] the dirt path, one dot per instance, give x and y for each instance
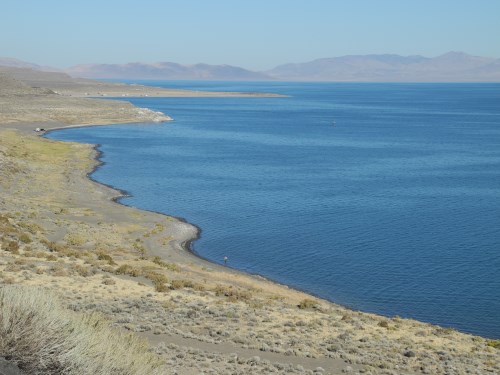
(231, 352)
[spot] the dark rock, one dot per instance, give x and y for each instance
(409, 354)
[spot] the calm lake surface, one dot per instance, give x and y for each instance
(381, 197)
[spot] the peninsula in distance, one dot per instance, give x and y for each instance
(448, 67)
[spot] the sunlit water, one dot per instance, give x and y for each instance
(381, 197)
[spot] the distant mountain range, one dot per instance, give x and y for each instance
(164, 70)
(450, 67)
(16, 63)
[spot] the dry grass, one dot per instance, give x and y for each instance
(127, 269)
(170, 266)
(307, 303)
(233, 294)
(43, 337)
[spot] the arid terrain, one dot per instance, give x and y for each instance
(62, 234)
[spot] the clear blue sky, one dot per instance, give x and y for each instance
(255, 34)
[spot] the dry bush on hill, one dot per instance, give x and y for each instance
(45, 338)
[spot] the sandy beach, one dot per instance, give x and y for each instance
(65, 232)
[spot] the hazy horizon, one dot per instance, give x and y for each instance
(255, 35)
(222, 63)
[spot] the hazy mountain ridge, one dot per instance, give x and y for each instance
(16, 63)
(164, 70)
(449, 67)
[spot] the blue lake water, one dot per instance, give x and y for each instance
(381, 197)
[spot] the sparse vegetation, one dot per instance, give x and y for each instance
(25, 238)
(170, 266)
(83, 270)
(155, 277)
(31, 227)
(383, 324)
(109, 281)
(307, 303)
(139, 247)
(37, 332)
(50, 257)
(233, 294)
(13, 247)
(108, 258)
(179, 284)
(493, 343)
(127, 269)
(160, 287)
(75, 239)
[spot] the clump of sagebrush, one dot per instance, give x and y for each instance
(43, 337)
(170, 266)
(108, 258)
(493, 343)
(307, 303)
(233, 294)
(127, 269)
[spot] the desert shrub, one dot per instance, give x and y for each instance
(82, 270)
(109, 281)
(199, 287)
(106, 257)
(29, 254)
(74, 239)
(31, 227)
(233, 294)
(13, 267)
(56, 247)
(13, 247)
(45, 338)
(25, 238)
(158, 228)
(123, 269)
(9, 280)
(137, 245)
(127, 269)
(493, 343)
(156, 277)
(346, 318)
(66, 251)
(383, 324)
(21, 261)
(169, 266)
(160, 287)
(50, 257)
(59, 270)
(107, 268)
(179, 284)
(441, 331)
(307, 303)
